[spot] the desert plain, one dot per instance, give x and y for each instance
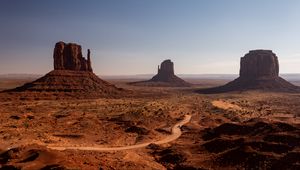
(235, 130)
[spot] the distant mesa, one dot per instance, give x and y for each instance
(165, 77)
(259, 70)
(72, 74)
(165, 72)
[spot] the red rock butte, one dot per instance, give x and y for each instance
(258, 64)
(69, 57)
(165, 77)
(72, 75)
(259, 70)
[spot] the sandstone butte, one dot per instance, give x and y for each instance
(69, 57)
(259, 70)
(72, 74)
(165, 77)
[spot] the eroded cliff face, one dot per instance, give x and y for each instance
(259, 64)
(69, 57)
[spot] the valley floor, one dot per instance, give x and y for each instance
(241, 130)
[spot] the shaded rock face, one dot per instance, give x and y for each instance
(165, 77)
(259, 64)
(69, 57)
(259, 70)
(166, 67)
(165, 71)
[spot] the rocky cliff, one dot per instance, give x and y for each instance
(259, 64)
(69, 57)
(165, 71)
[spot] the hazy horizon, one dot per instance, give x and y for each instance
(132, 37)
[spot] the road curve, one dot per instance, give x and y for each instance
(176, 133)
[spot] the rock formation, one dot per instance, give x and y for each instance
(259, 70)
(259, 64)
(165, 77)
(72, 74)
(165, 72)
(69, 57)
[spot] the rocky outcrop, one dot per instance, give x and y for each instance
(72, 77)
(165, 77)
(166, 68)
(69, 57)
(259, 64)
(165, 71)
(259, 70)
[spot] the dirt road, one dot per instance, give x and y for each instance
(176, 133)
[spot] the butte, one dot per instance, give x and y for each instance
(72, 76)
(165, 77)
(259, 70)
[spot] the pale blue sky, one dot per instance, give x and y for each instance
(134, 36)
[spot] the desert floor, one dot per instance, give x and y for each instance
(239, 130)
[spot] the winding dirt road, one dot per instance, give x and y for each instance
(176, 133)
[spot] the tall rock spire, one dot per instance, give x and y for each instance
(89, 62)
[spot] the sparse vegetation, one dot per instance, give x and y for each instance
(140, 119)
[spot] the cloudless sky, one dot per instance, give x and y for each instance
(134, 36)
